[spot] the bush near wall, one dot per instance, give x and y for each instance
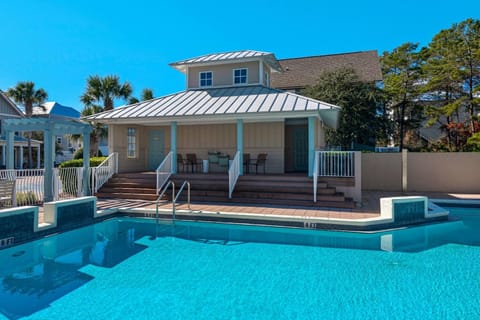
(94, 162)
(69, 182)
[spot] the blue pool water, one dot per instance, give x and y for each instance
(116, 270)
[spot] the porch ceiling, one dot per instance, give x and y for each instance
(220, 105)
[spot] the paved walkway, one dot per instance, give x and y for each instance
(370, 206)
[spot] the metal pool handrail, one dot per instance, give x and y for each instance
(178, 194)
(160, 198)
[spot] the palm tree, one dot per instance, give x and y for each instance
(24, 93)
(99, 96)
(105, 91)
(147, 94)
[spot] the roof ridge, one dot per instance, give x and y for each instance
(329, 55)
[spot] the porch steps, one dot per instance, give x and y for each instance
(285, 190)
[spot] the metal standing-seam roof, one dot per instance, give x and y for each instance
(219, 104)
(242, 55)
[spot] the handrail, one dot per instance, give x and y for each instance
(180, 191)
(104, 171)
(233, 174)
(164, 171)
(160, 198)
(315, 175)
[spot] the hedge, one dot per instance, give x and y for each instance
(94, 162)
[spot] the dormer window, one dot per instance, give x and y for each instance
(205, 79)
(240, 76)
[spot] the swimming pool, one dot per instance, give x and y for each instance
(117, 270)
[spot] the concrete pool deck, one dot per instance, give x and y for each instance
(370, 207)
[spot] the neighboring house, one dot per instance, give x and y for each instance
(9, 110)
(228, 107)
(302, 72)
(66, 143)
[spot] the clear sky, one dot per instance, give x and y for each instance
(58, 44)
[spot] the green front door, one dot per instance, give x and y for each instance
(156, 146)
(300, 149)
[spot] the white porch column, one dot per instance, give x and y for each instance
(20, 157)
(48, 173)
(311, 144)
(240, 143)
(173, 145)
(86, 161)
(38, 157)
(10, 150)
(4, 158)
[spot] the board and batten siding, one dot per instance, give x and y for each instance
(222, 75)
(6, 109)
(118, 143)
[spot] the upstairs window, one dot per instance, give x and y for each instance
(206, 79)
(240, 76)
(59, 140)
(131, 143)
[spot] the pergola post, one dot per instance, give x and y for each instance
(20, 157)
(10, 149)
(4, 159)
(173, 145)
(240, 143)
(86, 160)
(48, 159)
(38, 157)
(311, 144)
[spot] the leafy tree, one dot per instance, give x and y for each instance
(99, 96)
(451, 74)
(360, 120)
(401, 73)
(24, 93)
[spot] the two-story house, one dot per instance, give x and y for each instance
(228, 107)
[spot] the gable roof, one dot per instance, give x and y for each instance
(302, 72)
(16, 110)
(53, 108)
(221, 104)
(226, 57)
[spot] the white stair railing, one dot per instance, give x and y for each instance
(104, 171)
(164, 171)
(315, 175)
(233, 174)
(336, 163)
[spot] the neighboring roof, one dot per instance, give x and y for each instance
(20, 141)
(11, 104)
(220, 104)
(224, 57)
(56, 109)
(302, 72)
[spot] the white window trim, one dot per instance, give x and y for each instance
(135, 143)
(233, 77)
(200, 79)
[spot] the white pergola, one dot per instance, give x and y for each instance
(51, 127)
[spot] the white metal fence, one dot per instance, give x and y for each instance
(233, 174)
(66, 183)
(164, 171)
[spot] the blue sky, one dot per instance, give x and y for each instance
(58, 44)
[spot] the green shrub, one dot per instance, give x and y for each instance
(26, 198)
(79, 154)
(94, 162)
